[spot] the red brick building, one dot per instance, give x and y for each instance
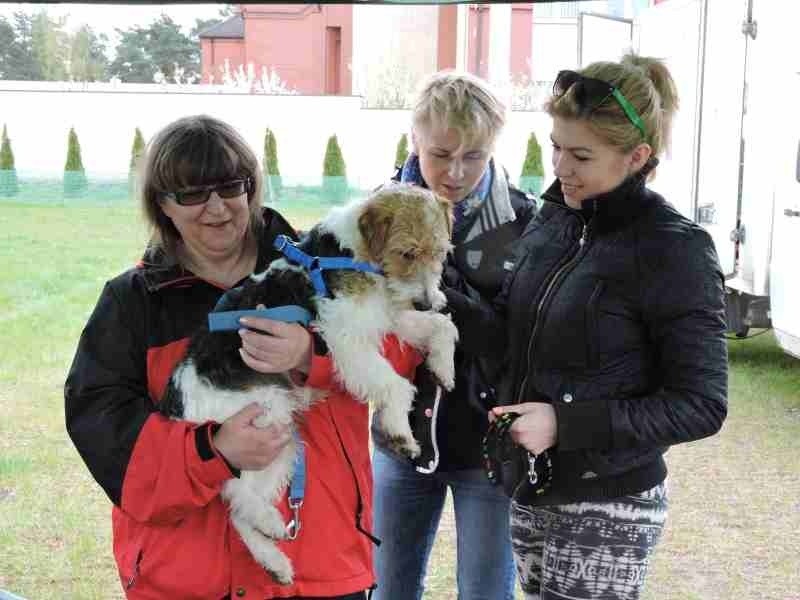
(310, 46)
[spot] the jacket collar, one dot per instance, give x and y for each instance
(159, 271)
(616, 208)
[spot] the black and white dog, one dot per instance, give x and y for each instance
(404, 232)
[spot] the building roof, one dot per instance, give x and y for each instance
(233, 28)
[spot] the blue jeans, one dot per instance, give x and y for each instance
(407, 508)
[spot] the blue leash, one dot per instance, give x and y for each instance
(297, 488)
(229, 321)
(315, 265)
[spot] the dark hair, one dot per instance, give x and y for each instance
(646, 84)
(193, 151)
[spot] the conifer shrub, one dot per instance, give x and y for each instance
(334, 173)
(273, 184)
(75, 182)
(137, 151)
(532, 169)
(9, 185)
(401, 154)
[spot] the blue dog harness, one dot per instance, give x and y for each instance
(315, 265)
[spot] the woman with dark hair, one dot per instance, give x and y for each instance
(201, 194)
(613, 319)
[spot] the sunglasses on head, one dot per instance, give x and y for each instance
(590, 93)
(200, 194)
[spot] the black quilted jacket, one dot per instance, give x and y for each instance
(615, 315)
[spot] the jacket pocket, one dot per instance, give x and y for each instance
(130, 567)
(591, 316)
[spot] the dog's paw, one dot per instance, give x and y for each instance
(407, 446)
(438, 300)
(273, 528)
(393, 424)
(280, 569)
(443, 368)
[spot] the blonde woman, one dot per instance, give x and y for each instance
(614, 320)
(456, 121)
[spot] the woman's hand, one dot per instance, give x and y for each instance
(246, 446)
(536, 429)
(280, 348)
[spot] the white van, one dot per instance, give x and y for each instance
(734, 165)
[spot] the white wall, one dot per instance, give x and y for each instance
(393, 46)
(555, 47)
(39, 119)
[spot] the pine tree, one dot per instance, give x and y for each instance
(137, 149)
(334, 174)
(401, 154)
(532, 168)
(273, 184)
(8, 174)
(271, 154)
(6, 154)
(334, 162)
(75, 182)
(74, 161)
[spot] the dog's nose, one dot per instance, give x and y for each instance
(422, 305)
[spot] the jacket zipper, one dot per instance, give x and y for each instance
(551, 287)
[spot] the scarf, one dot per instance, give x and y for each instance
(485, 208)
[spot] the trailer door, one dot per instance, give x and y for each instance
(785, 264)
(702, 43)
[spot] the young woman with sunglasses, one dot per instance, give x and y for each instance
(613, 317)
(201, 195)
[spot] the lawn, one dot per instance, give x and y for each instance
(734, 525)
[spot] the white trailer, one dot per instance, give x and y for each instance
(734, 165)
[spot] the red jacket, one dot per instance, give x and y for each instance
(172, 535)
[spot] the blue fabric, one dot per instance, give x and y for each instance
(407, 508)
(411, 173)
(315, 265)
(297, 489)
(229, 320)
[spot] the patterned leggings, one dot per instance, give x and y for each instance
(587, 550)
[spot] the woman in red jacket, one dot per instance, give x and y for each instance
(201, 194)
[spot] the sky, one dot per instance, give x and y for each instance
(103, 18)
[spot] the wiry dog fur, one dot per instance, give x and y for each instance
(406, 232)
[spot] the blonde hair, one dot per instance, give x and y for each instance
(646, 84)
(194, 151)
(460, 101)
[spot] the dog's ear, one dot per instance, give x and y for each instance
(447, 209)
(374, 224)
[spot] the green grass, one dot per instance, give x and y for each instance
(734, 524)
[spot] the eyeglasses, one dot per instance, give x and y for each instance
(201, 194)
(591, 93)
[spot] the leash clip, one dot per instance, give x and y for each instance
(293, 526)
(280, 242)
(533, 476)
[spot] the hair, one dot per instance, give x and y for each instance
(461, 101)
(194, 151)
(646, 83)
